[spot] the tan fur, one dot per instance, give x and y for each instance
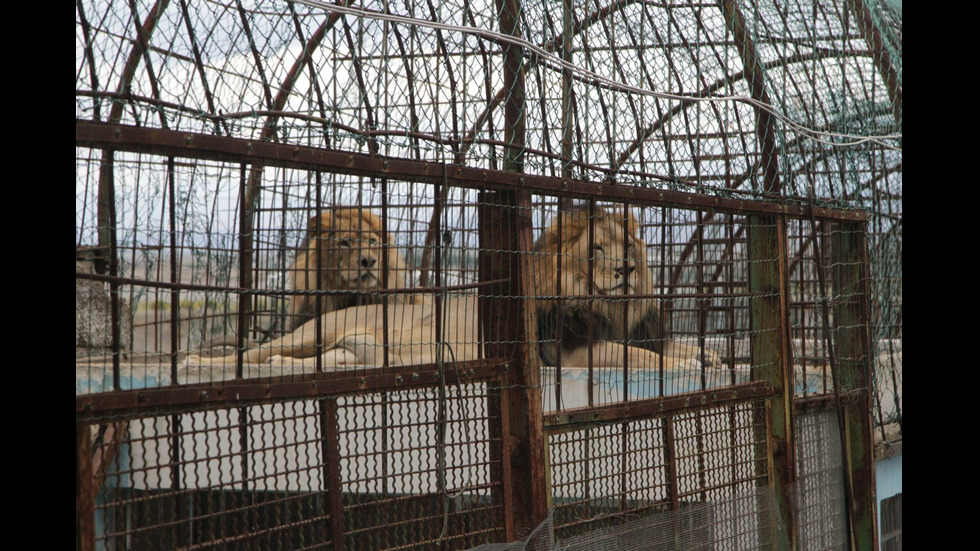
(348, 243)
(622, 329)
(355, 335)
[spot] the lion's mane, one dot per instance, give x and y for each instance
(349, 245)
(567, 320)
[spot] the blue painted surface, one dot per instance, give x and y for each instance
(888, 481)
(95, 383)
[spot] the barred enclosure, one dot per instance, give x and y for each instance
(455, 275)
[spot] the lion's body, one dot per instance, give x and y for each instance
(356, 336)
(343, 251)
(622, 321)
(610, 330)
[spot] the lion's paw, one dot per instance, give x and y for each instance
(712, 359)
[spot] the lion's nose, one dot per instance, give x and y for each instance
(627, 270)
(368, 262)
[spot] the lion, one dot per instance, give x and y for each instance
(623, 330)
(610, 328)
(343, 251)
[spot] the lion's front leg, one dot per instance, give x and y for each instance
(687, 352)
(330, 360)
(616, 355)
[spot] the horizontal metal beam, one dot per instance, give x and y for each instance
(243, 392)
(220, 148)
(654, 407)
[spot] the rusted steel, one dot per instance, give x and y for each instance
(174, 278)
(106, 197)
(219, 148)
(819, 402)
(590, 288)
(756, 80)
(245, 250)
(84, 489)
(89, 55)
(111, 436)
(655, 407)
(670, 456)
(330, 448)
(108, 241)
(198, 63)
(176, 479)
(880, 55)
(503, 92)
(274, 293)
(852, 314)
(769, 341)
(312, 385)
(506, 321)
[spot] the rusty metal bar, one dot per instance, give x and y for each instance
(502, 494)
(84, 489)
(756, 79)
(330, 448)
(111, 437)
(590, 292)
(176, 479)
(312, 385)
(219, 148)
(106, 197)
(507, 321)
(852, 314)
(655, 407)
(880, 55)
(107, 231)
(670, 452)
(198, 62)
(89, 55)
(771, 358)
(244, 270)
(174, 278)
(272, 293)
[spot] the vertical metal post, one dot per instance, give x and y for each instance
(84, 490)
(853, 355)
(769, 315)
(507, 323)
(567, 121)
(769, 281)
(330, 455)
(174, 271)
(508, 320)
(245, 239)
(108, 245)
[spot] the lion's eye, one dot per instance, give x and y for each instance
(597, 247)
(344, 243)
(373, 241)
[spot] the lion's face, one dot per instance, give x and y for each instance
(611, 263)
(615, 255)
(343, 251)
(350, 252)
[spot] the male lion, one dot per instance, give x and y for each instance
(344, 247)
(620, 329)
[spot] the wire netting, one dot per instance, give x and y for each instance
(746, 156)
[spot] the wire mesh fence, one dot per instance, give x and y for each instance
(379, 470)
(345, 270)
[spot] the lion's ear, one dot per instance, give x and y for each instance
(319, 223)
